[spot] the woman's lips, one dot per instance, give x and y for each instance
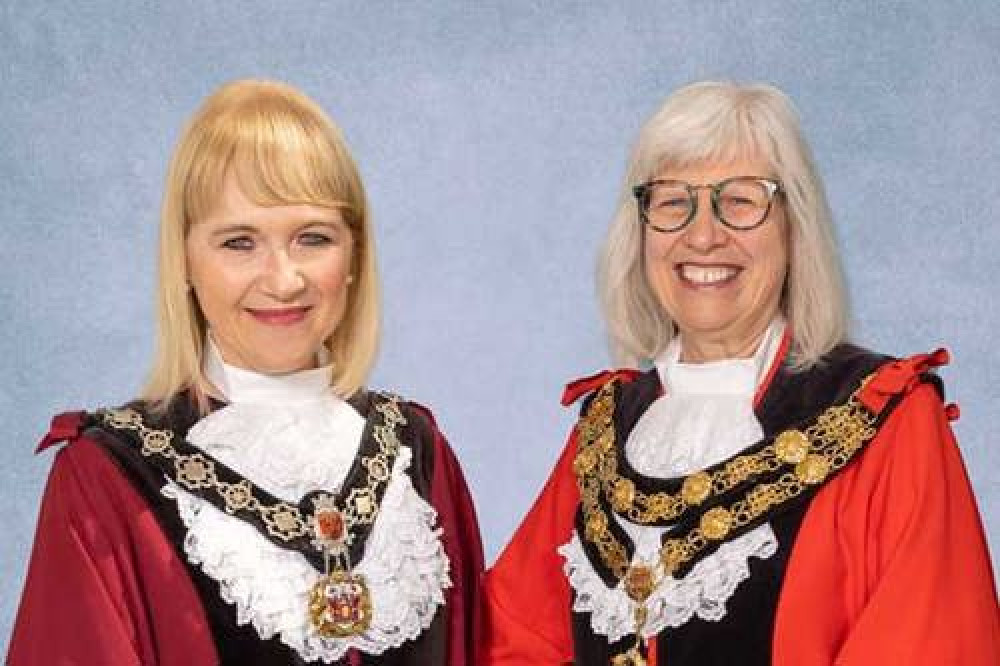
(707, 275)
(279, 316)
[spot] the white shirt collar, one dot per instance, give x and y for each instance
(739, 376)
(240, 386)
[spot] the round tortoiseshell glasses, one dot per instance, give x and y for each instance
(741, 203)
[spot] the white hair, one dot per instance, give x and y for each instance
(718, 122)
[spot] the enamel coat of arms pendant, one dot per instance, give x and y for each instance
(340, 605)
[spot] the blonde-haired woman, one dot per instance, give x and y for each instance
(766, 493)
(257, 505)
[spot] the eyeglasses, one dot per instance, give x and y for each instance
(741, 203)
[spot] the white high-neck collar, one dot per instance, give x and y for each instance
(738, 376)
(240, 386)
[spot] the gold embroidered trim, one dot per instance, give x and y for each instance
(285, 521)
(807, 457)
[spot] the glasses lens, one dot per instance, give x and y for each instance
(743, 203)
(668, 205)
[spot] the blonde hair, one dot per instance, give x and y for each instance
(282, 149)
(715, 122)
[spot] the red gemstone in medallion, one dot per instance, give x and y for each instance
(329, 525)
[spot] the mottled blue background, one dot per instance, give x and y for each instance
(492, 139)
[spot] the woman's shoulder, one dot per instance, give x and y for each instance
(65, 428)
(880, 381)
(414, 413)
(94, 436)
(849, 356)
(894, 380)
(86, 470)
(71, 427)
(619, 380)
(417, 424)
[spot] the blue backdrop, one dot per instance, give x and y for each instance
(492, 139)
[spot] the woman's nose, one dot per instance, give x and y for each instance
(284, 278)
(704, 232)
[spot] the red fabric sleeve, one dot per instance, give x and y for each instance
(891, 565)
(104, 585)
(527, 596)
(451, 498)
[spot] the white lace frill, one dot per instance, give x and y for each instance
(703, 592)
(291, 449)
(705, 416)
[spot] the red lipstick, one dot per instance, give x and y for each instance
(279, 316)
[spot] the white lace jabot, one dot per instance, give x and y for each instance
(291, 435)
(705, 416)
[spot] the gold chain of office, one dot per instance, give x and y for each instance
(808, 456)
(197, 472)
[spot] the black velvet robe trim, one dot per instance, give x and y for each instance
(743, 636)
(240, 644)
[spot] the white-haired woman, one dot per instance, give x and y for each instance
(766, 493)
(257, 505)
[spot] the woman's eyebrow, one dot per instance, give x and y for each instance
(309, 222)
(234, 227)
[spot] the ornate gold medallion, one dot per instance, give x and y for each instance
(716, 523)
(585, 462)
(812, 469)
(596, 523)
(791, 446)
(631, 658)
(696, 488)
(640, 581)
(340, 605)
(622, 494)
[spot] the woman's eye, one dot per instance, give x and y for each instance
(315, 239)
(238, 243)
(671, 206)
(738, 202)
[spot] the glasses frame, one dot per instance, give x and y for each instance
(642, 192)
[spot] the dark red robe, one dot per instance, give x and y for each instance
(108, 584)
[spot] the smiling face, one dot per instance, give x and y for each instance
(721, 287)
(271, 281)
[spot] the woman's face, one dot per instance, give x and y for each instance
(721, 287)
(272, 281)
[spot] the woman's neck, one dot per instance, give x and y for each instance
(706, 348)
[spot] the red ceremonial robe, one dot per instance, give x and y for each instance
(888, 566)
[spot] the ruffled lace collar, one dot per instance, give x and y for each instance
(705, 416)
(291, 435)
